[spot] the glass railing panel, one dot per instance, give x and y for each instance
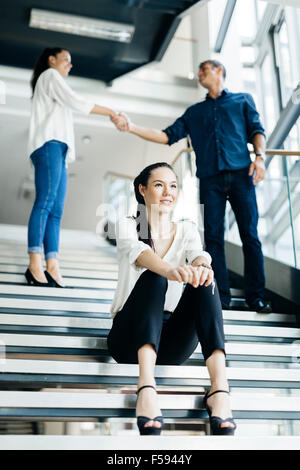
(119, 201)
(295, 209)
(278, 201)
(187, 206)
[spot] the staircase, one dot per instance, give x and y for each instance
(57, 378)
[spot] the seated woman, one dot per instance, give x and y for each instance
(155, 320)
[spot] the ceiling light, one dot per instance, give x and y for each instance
(86, 139)
(83, 26)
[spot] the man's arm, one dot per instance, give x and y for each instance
(152, 135)
(256, 136)
(259, 144)
(177, 131)
(258, 166)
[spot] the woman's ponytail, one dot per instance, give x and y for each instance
(42, 64)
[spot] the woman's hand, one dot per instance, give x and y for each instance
(194, 275)
(206, 276)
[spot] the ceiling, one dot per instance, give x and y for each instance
(155, 23)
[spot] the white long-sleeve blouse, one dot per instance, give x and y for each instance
(51, 114)
(186, 246)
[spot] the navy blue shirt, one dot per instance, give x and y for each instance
(219, 129)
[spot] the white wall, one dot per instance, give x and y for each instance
(109, 150)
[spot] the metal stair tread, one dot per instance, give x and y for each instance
(31, 291)
(10, 291)
(110, 265)
(86, 342)
(131, 370)
(89, 284)
(101, 273)
(91, 400)
(91, 258)
(105, 323)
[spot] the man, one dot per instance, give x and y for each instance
(220, 127)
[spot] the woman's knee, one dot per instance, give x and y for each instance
(154, 279)
(44, 202)
(201, 290)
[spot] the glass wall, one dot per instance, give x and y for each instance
(268, 35)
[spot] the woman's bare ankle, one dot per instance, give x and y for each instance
(37, 273)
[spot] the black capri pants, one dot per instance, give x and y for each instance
(175, 336)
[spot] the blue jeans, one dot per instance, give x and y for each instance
(238, 188)
(50, 187)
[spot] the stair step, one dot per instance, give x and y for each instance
(237, 292)
(136, 442)
(48, 405)
(54, 338)
(13, 294)
(41, 371)
(85, 345)
(96, 325)
(90, 258)
(109, 264)
(229, 317)
(101, 273)
(31, 291)
(103, 248)
(69, 282)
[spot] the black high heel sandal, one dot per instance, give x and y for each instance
(52, 280)
(31, 280)
(215, 421)
(142, 420)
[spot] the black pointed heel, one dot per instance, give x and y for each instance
(52, 280)
(31, 280)
(215, 422)
(142, 420)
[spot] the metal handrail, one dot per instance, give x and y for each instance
(119, 175)
(280, 152)
(283, 153)
(287, 153)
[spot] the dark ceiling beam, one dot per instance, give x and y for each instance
(172, 7)
(228, 12)
(155, 24)
(168, 38)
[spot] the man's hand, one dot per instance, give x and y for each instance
(258, 166)
(121, 121)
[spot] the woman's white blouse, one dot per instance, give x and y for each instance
(186, 246)
(51, 115)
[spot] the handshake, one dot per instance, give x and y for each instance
(121, 121)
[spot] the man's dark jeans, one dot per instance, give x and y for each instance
(238, 188)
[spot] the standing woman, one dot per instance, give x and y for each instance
(51, 148)
(155, 321)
